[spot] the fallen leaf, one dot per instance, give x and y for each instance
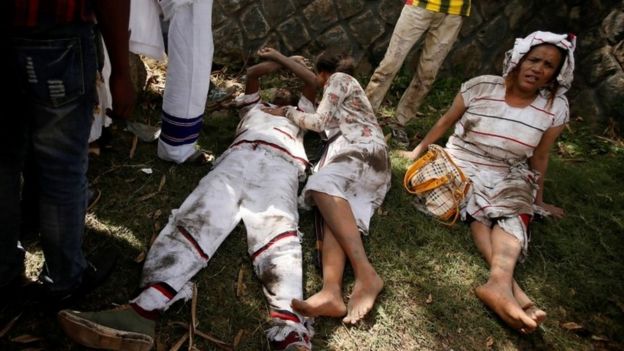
(163, 180)
(9, 325)
(489, 342)
(135, 141)
(148, 196)
(26, 339)
(572, 326)
(238, 338)
(599, 338)
(180, 342)
(239, 283)
(140, 257)
(147, 170)
(194, 322)
(429, 299)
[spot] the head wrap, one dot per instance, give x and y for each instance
(522, 46)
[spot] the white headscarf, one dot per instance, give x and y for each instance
(523, 45)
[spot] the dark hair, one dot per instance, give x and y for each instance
(554, 84)
(331, 61)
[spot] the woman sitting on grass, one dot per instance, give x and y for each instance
(349, 183)
(504, 129)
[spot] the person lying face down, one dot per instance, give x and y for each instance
(255, 180)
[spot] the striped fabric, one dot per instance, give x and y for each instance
(180, 131)
(31, 13)
(492, 142)
(451, 7)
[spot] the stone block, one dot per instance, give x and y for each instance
(294, 33)
(336, 38)
(389, 10)
(277, 11)
(254, 24)
(366, 28)
(494, 32)
(349, 8)
(228, 41)
(611, 94)
(613, 25)
(321, 14)
(599, 65)
(232, 6)
(218, 15)
(618, 52)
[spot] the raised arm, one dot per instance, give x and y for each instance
(442, 125)
(256, 71)
(539, 162)
(298, 68)
(113, 18)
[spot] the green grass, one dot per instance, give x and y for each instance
(574, 268)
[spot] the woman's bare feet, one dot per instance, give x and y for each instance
(503, 303)
(536, 314)
(363, 298)
(323, 303)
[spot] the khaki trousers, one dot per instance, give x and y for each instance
(441, 32)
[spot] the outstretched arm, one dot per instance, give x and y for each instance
(442, 125)
(113, 18)
(539, 162)
(255, 72)
(299, 69)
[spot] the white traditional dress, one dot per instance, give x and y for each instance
(355, 166)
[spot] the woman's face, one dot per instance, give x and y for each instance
(538, 68)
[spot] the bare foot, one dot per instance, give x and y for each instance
(323, 303)
(536, 314)
(504, 304)
(363, 298)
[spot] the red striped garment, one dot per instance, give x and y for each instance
(491, 143)
(38, 13)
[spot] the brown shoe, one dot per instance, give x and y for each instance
(117, 329)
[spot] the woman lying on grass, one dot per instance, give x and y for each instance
(349, 183)
(504, 129)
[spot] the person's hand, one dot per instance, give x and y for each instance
(556, 212)
(275, 111)
(268, 53)
(123, 95)
(300, 60)
(412, 155)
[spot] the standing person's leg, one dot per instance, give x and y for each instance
(182, 249)
(190, 53)
(339, 217)
(327, 302)
(439, 40)
(482, 236)
(61, 76)
(412, 23)
(497, 293)
(12, 155)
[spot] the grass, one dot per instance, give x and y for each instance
(573, 270)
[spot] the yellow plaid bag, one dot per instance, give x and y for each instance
(439, 185)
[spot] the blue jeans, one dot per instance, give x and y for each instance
(53, 92)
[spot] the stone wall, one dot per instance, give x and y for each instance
(364, 27)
